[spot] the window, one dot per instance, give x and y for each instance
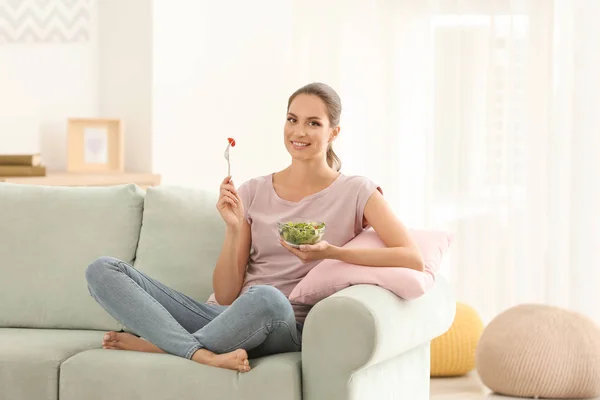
(479, 101)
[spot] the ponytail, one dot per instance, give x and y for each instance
(333, 160)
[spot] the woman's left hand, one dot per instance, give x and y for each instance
(307, 253)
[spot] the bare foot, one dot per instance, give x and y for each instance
(236, 360)
(126, 341)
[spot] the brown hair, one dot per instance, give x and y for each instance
(334, 110)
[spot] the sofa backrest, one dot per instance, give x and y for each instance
(48, 237)
(181, 238)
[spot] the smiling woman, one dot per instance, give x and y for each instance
(315, 122)
(255, 273)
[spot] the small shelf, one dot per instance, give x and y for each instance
(143, 180)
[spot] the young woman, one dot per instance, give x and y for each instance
(249, 314)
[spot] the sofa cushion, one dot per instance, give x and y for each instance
(30, 359)
(116, 374)
(48, 236)
(181, 238)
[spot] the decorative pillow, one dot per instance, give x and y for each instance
(330, 276)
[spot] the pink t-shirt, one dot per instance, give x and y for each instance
(341, 206)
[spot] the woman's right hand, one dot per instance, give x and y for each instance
(230, 204)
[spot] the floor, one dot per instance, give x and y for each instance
(464, 388)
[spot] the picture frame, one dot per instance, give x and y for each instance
(95, 145)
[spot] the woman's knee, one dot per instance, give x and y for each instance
(269, 300)
(98, 268)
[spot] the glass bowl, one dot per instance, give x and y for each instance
(299, 231)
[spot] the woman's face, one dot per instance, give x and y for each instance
(307, 131)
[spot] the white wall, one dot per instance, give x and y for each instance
(104, 74)
(219, 74)
(125, 75)
(42, 84)
(224, 71)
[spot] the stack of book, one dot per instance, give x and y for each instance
(21, 165)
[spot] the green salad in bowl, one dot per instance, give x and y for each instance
(301, 231)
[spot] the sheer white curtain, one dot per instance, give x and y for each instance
(482, 117)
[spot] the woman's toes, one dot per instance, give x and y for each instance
(110, 336)
(110, 339)
(245, 366)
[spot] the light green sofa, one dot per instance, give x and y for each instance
(361, 343)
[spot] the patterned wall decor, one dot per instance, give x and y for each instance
(45, 21)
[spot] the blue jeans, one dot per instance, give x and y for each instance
(261, 321)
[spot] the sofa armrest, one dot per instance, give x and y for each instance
(365, 325)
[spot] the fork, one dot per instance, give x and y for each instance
(227, 158)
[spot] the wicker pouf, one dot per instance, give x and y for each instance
(543, 351)
(453, 353)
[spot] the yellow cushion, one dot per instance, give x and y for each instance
(453, 353)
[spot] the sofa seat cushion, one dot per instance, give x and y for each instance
(48, 237)
(30, 359)
(111, 374)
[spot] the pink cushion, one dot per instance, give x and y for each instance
(330, 276)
